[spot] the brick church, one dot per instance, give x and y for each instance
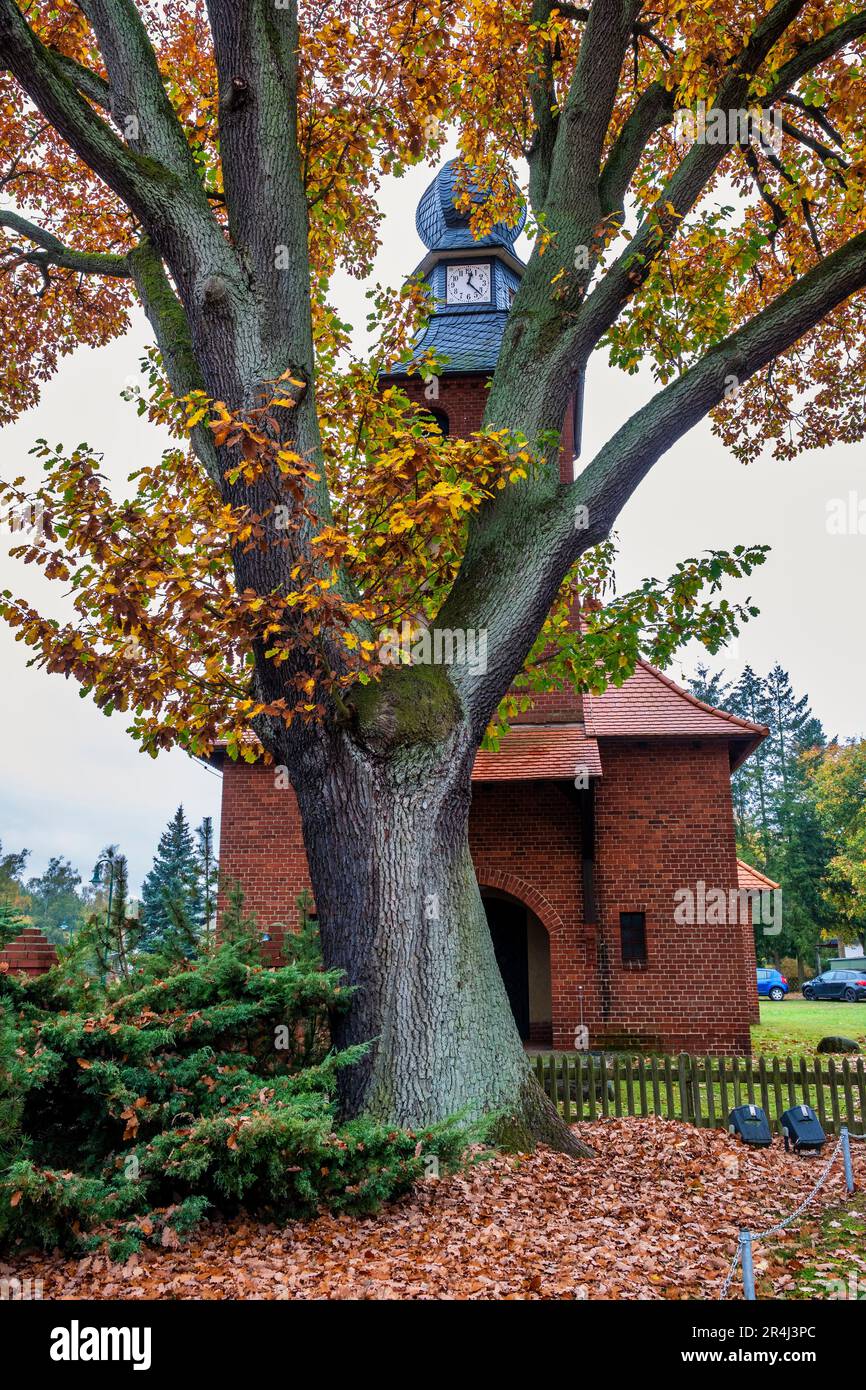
(579, 882)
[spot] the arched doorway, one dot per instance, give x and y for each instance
(440, 418)
(522, 949)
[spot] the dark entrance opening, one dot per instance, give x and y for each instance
(507, 923)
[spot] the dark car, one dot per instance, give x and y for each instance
(771, 983)
(849, 985)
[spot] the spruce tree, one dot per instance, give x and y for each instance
(712, 688)
(208, 874)
(777, 821)
(751, 784)
(171, 899)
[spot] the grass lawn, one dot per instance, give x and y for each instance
(795, 1026)
(824, 1257)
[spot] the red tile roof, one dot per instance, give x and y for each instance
(533, 753)
(650, 705)
(749, 877)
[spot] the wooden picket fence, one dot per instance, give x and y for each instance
(703, 1090)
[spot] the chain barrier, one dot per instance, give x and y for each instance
(730, 1274)
(783, 1225)
(743, 1253)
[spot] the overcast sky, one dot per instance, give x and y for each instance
(73, 780)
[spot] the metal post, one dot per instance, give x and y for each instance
(748, 1268)
(846, 1158)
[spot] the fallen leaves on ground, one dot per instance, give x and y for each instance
(654, 1214)
(825, 1257)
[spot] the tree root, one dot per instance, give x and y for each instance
(536, 1120)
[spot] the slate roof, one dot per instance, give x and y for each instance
(469, 342)
(442, 228)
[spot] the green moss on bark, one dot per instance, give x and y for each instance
(535, 1120)
(409, 705)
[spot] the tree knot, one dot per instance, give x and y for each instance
(238, 94)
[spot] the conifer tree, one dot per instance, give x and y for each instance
(751, 787)
(171, 900)
(208, 874)
(711, 687)
(110, 937)
(778, 826)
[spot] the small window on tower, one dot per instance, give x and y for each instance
(632, 936)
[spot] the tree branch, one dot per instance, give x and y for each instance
(681, 194)
(53, 251)
(824, 153)
(564, 333)
(589, 105)
(139, 101)
(256, 49)
(612, 477)
(817, 114)
(47, 82)
(542, 93)
(89, 83)
(168, 199)
(778, 213)
(653, 109)
(644, 31)
(773, 159)
(816, 53)
(510, 602)
(168, 319)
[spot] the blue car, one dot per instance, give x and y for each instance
(771, 983)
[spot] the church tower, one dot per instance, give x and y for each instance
(473, 284)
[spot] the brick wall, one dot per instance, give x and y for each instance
(464, 399)
(663, 822)
(525, 841)
(262, 847)
(31, 953)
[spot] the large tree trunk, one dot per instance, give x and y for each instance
(401, 914)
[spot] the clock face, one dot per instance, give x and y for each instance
(468, 284)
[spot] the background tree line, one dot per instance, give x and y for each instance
(177, 907)
(800, 809)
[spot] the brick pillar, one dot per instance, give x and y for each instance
(31, 953)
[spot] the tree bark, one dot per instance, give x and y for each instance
(400, 913)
